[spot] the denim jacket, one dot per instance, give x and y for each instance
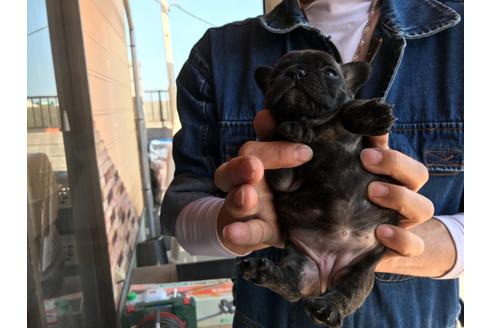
(417, 66)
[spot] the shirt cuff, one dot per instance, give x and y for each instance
(456, 227)
(196, 228)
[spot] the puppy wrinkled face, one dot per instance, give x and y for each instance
(313, 80)
(310, 83)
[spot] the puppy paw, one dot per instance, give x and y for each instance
(371, 118)
(259, 271)
(379, 116)
(323, 312)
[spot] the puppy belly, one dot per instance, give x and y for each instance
(332, 253)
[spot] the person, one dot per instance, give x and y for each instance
(220, 204)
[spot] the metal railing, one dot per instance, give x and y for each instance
(43, 112)
(156, 107)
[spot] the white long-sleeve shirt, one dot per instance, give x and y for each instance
(344, 22)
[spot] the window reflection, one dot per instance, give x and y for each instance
(55, 294)
(56, 287)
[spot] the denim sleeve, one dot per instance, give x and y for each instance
(195, 146)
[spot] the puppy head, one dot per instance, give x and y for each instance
(310, 83)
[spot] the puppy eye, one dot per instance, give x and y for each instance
(300, 74)
(331, 72)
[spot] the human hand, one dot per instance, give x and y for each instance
(414, 208)
(247, 221)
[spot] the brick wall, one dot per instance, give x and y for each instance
(112, 106)
(121, 219)
(108, 71)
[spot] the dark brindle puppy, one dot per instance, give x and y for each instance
(322, 205)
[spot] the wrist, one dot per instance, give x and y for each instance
(449, 254)
(455, 225)
(437, 259)
(196, 228)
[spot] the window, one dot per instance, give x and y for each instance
(161, 57)
(85, 191)
(55, 292)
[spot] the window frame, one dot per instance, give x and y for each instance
(72, 85)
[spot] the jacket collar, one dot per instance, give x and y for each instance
(410, 19)
(285, 17)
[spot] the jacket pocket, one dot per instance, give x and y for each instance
(438, 145)
(444, 161)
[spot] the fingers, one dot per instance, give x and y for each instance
(251, 233)
(277, 154)
(242, 202)
(246, 223)
(264, 124)
(402, 168)
(401, 241)
(250, 223)
(238, 171)
(414, 207)
(379, 141)
(255, 157)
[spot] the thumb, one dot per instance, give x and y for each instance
(251, 233)
(264, 124)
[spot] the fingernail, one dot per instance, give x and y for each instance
(247, 171)
(385, 231)
(239, 198)
(304, 153)
(371, 156)
(378, 189)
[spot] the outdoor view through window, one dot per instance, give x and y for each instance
(86, 200)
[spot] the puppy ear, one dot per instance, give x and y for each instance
(262, 77)
(355, 74)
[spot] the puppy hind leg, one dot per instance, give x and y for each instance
(331, 308)
(284, 278)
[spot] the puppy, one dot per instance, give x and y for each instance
(322, 206)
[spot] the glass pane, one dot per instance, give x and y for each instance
(188, 21)
(54, 265)
(164, 39)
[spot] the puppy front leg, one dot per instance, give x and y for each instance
(367, 117)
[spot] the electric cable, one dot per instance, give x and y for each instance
(189, 13)
(37, 30)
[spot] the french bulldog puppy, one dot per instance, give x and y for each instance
(322, 206)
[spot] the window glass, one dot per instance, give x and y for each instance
(191, 18)
(164, 39)
(188, 21)
(56, 289)
(55, 293)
